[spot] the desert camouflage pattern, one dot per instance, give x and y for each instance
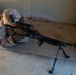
(8, 41)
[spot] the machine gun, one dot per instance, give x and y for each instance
(27, 30)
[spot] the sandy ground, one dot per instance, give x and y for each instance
(30, 59)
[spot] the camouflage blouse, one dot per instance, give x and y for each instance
(8, 41)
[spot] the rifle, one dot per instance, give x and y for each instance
(27, 30)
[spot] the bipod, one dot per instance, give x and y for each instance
(55, 60)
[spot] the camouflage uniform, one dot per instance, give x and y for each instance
(8, 41)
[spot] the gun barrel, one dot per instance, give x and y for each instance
(53, 41)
